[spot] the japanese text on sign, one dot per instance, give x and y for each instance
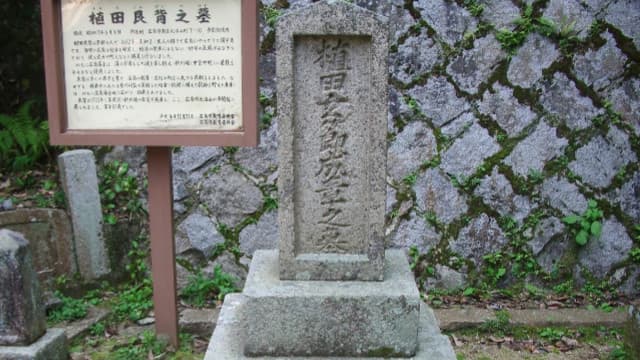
(151, 64)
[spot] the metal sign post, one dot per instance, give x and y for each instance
(162, 245)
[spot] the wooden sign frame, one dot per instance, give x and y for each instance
(60, 134)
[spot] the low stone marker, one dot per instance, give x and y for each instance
(23, 333)
(331, 291)
(80, 182)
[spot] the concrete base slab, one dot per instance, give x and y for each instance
(227, 342)
(51, 346)
(331, 318)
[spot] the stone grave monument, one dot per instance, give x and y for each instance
(23, 327)
(331, 291)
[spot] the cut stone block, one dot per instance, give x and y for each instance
(51, 346)
(80, 182)
(228, 338)
(331, 318)
(332, 113)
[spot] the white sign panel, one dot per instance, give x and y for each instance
(153, 64)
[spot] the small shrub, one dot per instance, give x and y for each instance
(71, 309)
(24, 140)
(202, 288)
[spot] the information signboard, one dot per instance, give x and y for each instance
(151, 72)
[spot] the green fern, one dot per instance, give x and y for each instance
(24, 140)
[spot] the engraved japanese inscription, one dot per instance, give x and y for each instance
(330, 154)
(153, 64)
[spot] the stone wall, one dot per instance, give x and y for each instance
(493, 136)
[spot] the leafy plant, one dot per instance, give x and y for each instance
(494, 269)
(135, 302)
(270, 203)
(202, 288)
(474, 8)
(410, 179)
(71, 309)
(146, 346)
(586, 225)
(97, 329)
(414, 255)
(498, 326)
(634, 254)
(24, 140)
(551, 334)
(119, 192)
(271, 15)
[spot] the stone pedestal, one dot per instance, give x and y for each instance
(281, 319)
(331, 318)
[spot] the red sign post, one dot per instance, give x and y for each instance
(155, 73)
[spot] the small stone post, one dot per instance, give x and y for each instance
(23, 328)
(80, 181)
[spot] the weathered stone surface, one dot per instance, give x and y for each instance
(553, 252)
(413, 146)
(332, 142)
(625, 15)
(49, 233)
(415, 57)
(536, 149)
(561, 98)
(200, 322)
(600, 254)
(415, 232)
(135, 156)
(535, 55)
(570, 14)
(51, 346)
(261, 235)
(227, 341)
(22, 316)
(599, 161)
(544, 231)
(449, 20)
(446, 278)
(459, 125)
(504, 108)
(475, 66)
(496, 191)
(436, 194)
(563, 195)
(80, 182)
(197, 233)
(261, 160)
(327, 318)
(229, 265)
(397, 107)
(601, 67)
(192, 158)
(628, 197)
(501, 13)
(626, 101)
(230, 196)
(438, 100)
(7, 204)
(459, 161)
(400, 20)
(481, 237)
